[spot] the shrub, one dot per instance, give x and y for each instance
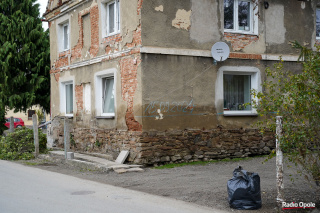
(19, 145)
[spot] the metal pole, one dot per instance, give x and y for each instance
(279, 162)
(66, 137)
(35, 134)
(11, 129)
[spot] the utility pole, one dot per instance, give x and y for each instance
(66, 137)
(279, 162)
(11, 129)
(35, 134)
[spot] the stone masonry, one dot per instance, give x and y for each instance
(156, 147)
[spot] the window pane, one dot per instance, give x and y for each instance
(65, 37)
(118, 15)
(108, 95)
(318, 23)
(244, 15)
(69, 98)
(236, 91)
(228, 14)
(111, 15)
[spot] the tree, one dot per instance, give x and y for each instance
(24, 57)
(296, 97)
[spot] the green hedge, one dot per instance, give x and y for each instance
(19, 145)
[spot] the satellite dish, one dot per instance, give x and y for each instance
(220, 51)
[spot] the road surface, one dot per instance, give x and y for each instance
(26, 189)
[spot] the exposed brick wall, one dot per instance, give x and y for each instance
(245, 56)
(79, 97)
(240, 41)
(94, 19)
(57, 76)
(140, 2)
(136, 40)
(129, 82)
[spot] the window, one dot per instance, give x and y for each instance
(30, 113)
(111, 17)
(66, 98)
(318, 23)
(69, 98)
(236, 92)
(239, 16)
(63, 34)
(105, 93)
(233, 87)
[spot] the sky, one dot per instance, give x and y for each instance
(43, 5)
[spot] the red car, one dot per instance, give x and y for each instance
(18, 123)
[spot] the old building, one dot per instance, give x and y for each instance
(138, 75)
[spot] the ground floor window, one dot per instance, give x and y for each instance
(66, 97)
(236, 92)
(105, 93)
(69, 98)
(233, 90)
(108, 95)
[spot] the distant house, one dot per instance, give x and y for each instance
(139, 75)
(27, 116)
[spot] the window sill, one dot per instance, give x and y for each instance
(241, 32)
(66, 116)
(239, 114)
(105, 117)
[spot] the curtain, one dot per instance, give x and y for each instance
(108, 95)
(236, 91)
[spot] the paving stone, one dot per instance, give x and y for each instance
(120, 171)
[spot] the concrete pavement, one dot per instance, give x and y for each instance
(99, 162)
(30, 190)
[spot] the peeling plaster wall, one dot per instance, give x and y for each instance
(118, 52)
(179, 92)
(198, 24)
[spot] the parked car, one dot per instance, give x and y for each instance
(18, 123)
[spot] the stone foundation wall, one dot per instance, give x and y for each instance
(158, 147)
(174, 146)
(193, 145)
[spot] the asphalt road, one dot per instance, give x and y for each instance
(25, 189)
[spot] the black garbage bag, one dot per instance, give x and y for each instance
(244, 190)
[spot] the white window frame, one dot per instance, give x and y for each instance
(253, 19)
(63, 105)
(61, 41)
(105, 17)
(317, 10)
(99, 93)
(235, 70)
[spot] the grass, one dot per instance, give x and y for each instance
(202, 163)
(31, 163)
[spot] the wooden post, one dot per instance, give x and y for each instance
(35, 134)
(11, 129)
(66, 137)
(279, 162)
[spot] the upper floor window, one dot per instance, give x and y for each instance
(111, 17)
(318, 23)
(239, 16)
(63, 33)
